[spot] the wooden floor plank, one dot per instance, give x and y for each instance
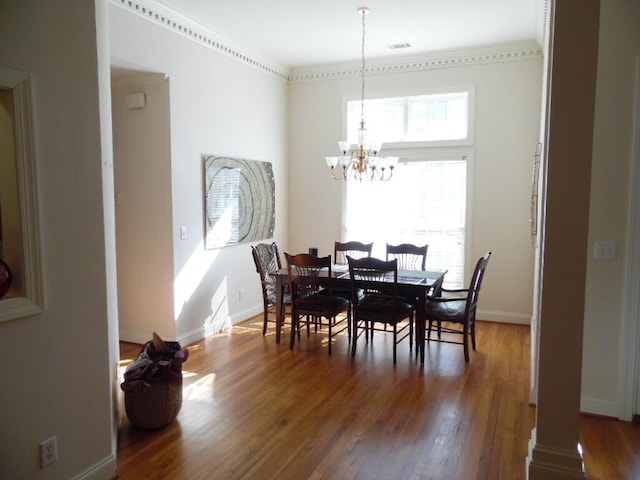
(256, 410)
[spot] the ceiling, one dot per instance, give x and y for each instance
(298, 33)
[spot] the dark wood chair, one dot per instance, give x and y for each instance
(380, 303)
(410, 256)
(457, 310)
(312, 298)
(267, 260)
(353, 249)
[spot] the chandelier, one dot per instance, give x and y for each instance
(360, 162)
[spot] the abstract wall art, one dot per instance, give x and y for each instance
(239, 201)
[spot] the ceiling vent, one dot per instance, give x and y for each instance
(396, 46)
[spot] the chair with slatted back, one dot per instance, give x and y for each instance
(456, 309)
(267, 260)
(312, 298)
(380, 303)
(353, 249)
(410, 256)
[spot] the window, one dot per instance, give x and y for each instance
(423, 118)
(425, 202)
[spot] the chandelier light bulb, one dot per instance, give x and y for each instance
(344, 146)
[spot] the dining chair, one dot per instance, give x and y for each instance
(457, 309)
(267, 260)
(312, 298)
(410, 256)
(353, 249)
(380, 303)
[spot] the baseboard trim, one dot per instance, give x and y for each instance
(595, 406)
(504, 317)
(591, 407)
(134, 337)
(246, 314)
(209, 328)
(107, 469)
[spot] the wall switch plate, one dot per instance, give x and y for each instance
(183, 233)
(605, 250)
(48, 452)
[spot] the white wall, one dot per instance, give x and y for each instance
(604, 336)
(218, 105)
(507, 106)
(144, 220)
(56, 370)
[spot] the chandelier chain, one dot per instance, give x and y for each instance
(361, 162)
(362, 72)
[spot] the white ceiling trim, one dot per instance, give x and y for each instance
(190, 29)
(446, 59)
(171, 20)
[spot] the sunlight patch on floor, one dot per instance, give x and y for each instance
(244, 330)
(200, 390)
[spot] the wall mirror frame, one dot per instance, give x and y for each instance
(29, 298)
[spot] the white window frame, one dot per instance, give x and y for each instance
(468, 141)
(433, 154)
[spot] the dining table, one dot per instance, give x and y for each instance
(411, 283)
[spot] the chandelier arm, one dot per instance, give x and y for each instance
(333, 174)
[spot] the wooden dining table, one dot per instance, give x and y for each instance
(411, 283)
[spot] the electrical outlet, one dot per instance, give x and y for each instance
(240, 295)
(183, 233)
(48, 451)
(605, 250)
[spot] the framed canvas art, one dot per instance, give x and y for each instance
(239, 201)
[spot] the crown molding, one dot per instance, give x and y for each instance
(186, 27)
(443, 59)
(542, 20)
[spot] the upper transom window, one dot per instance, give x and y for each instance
(438, 117)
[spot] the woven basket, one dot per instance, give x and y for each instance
(153, 385)
(155, 407)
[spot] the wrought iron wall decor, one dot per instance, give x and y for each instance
(535, 180)
(239, 201)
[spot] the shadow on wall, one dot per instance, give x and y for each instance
(191, 279)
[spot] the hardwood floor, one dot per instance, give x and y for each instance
(254, 409)
(611, 448)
